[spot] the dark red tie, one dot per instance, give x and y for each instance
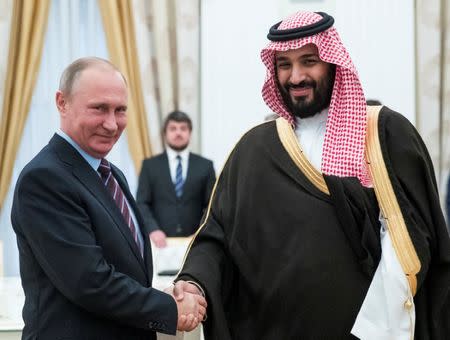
(114, 188)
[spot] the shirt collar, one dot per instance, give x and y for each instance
(92, 161)
(172, 154)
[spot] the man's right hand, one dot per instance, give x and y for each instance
(191, 311)
(158, 237)
(191, 306)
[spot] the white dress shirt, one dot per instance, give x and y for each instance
(173, 162)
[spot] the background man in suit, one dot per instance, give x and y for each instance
(174, 186)
(86, 264)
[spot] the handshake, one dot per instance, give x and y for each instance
(191, 304)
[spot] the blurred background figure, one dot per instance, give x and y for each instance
(174, 186)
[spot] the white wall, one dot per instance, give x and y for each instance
(232, 34)
(379, 35)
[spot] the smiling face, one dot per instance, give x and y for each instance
(94, 113)
(304, 80)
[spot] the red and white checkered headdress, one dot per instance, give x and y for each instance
(343, 149)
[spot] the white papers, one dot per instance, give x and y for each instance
(171, 257)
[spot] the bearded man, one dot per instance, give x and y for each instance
(326, 223)
(174, 186)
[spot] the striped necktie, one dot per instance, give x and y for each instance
(179, 178)
(114, 189)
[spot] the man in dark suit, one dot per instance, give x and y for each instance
(174, 186)
(85, 262)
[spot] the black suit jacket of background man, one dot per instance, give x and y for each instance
(160, 206)
(81, 270)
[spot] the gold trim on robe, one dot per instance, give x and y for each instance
(294, 149)
(404, 248)
(389, 207)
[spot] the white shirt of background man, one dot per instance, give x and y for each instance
(173, 162)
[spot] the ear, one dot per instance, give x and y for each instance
(61, 102)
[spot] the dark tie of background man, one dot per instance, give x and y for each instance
(179, 178)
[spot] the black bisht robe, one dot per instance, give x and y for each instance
(280, 259)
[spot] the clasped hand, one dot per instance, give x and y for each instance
(190, 303)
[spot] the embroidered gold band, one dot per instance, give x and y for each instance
(401, 241)
(293, 148)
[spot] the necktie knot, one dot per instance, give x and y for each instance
(104, 168)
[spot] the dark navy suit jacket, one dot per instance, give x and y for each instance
(81, 270)
(158, 202)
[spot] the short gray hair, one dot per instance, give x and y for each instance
(73, 71)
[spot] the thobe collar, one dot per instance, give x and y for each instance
(311, 134)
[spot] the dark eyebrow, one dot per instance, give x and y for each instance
(281, 58)
(310, 55)
(304, 56)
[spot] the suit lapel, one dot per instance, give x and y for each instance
(165, 167)
(191, 170)
(92, 182)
